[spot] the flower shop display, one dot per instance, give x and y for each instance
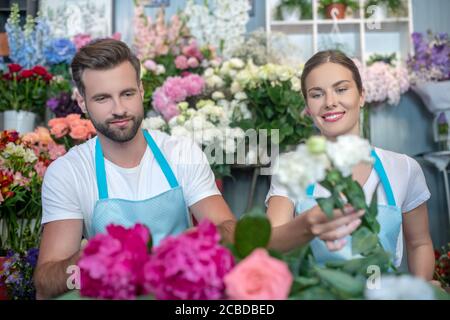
(23, 161)
(431, 58)
(122, 264)
(71, 130)
(339, 7)
(429, 69)
(271, 94)
(17, 274)
(167, 50)
(24, 93)
(442, 266)
(28, 44)
(221, 24)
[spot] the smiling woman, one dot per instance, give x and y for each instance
(334, 95)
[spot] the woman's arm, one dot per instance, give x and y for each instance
(419, 246)
(289, 232)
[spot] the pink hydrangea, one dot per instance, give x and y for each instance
(175, 90)
(193, 62)
(112, 264)
(181, 62)
(189, 266)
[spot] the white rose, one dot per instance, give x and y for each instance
(217, 95)
(348, 151)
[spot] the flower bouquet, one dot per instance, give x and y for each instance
(166, 50)
(23, 161)
(17, 274)
(71, 130)
(24, 89)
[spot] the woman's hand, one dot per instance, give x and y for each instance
(333, 231)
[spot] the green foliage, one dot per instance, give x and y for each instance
(304, 7)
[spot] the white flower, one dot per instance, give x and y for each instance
(237, 63)
(240, 95)
(180, 131)
(160, 69)
(404, 287)
(348, 151)
(298, 169)
(154, 123)
(235, 87)
(296, 84)
(29, 156)
(217, 95)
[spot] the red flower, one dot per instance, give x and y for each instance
(8, 76)
(14, 67)
(26, 74)
(448, 254)
(41, 71)
(437, 254)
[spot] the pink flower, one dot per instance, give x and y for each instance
(259, 277)
(192, 51)
(181, 62)
(40, 168)
(81, 39)
(56, 150)
(59, 129)
(190, 266)
(193, 62)
(112, 264)
(150, 65)
(194, 84)
(79, 132)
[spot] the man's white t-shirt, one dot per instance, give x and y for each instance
(69, 189)
(405, 176)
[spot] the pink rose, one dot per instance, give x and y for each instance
(181, 62)
(190, 266)
(112, 264)
(194, 84)
(259, 277)
(40, 168)
(193, 62)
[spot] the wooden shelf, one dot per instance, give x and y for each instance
(393, 34)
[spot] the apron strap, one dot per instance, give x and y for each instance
(100, 171)
(383, 177)
(164, 165)
(379, 168)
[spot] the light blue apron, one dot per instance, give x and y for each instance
(165, 214)
(389, 216)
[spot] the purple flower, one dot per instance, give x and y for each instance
(53, 103)
(442, 119)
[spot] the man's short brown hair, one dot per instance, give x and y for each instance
(102, 54)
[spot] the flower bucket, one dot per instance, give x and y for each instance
(338, 7)
(21, 121)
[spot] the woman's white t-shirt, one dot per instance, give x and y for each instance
(405, 176)
(69, 189)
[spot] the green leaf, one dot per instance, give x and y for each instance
(301, 283)
(364, 241)
(314, 293)
(344, 284)
(355, 195)
(252, 231)
(327, 206)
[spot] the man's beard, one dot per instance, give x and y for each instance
(118, 134)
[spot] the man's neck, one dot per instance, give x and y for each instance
(124, 154)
